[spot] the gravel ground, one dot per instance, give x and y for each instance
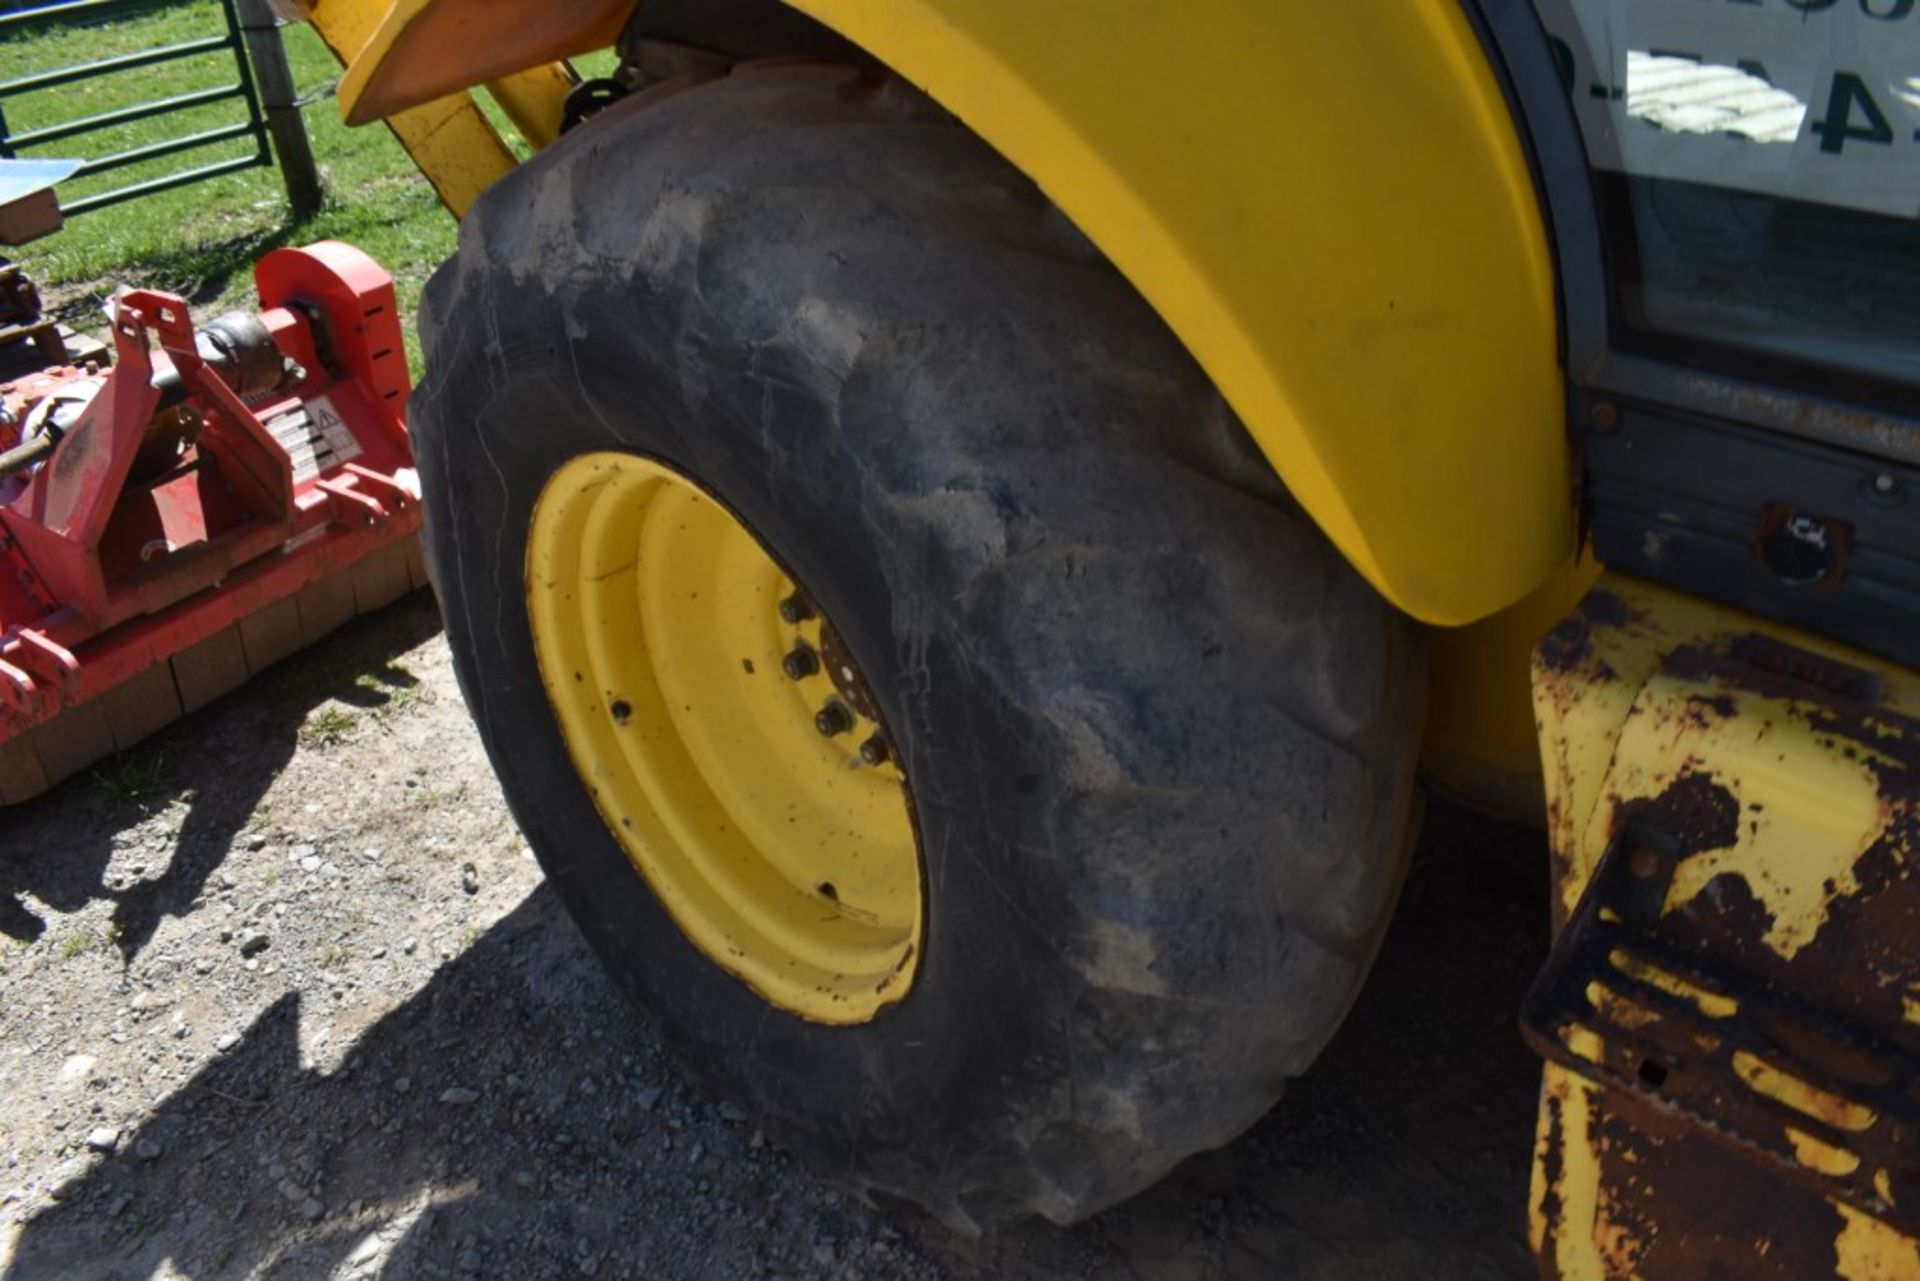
(283, 994)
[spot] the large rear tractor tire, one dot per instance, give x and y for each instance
(910, 676)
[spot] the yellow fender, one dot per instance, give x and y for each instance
(1327, 203)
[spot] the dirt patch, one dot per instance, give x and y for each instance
(285, 996)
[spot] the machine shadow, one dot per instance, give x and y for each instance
(1406, 1150)
(217, 762)
(199, 273)
(1404, 1153)
(247, 1141)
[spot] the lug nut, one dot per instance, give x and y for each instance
(801, 663)
(1644, 862)
(874, 750)
(795, 609)
(833, 719)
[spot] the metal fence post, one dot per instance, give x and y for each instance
(273, 79)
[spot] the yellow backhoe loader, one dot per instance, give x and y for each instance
(961, 523)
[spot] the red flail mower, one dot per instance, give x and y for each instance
(173, 524)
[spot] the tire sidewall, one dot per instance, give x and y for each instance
(970, 1035)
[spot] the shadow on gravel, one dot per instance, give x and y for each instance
(1406, 1151)
(219, 767)
(227, 1176)
(1404, 1154)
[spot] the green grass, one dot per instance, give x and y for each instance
(82, 942)
(391, 692)
(137, 779)
(329, 725)
(428, 798)
(201, 240)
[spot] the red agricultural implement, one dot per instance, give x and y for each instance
(173, 524)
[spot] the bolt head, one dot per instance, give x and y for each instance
(874, 750)
(1884, 483)
(800, 662)
(1643, 863)
(794, 609)
(833, 719)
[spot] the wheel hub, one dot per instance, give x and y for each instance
(727, 737)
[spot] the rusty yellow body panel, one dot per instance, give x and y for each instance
(1365, 274)
(1732, 1007)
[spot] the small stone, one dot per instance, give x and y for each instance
(276, 1171)
(203, 966)
(254, 942)
(226, 1041)
(757, 1142)
(119, 1206)
(523, 1178)
(699, 1150)
(147, 1150)
(76, 1069)
(311, 863)
(228, 880)
(102, 1140)
(378, 952)
(459, 1095)
(311, 1210)
(292, 1191)
(408, 945)
(300, 852)
(732, 1112)
(256, 841)
(402, 1084)
(469, 878)
(364, 1252)
(648, 1098)
(823, 1250)
(67, 1180)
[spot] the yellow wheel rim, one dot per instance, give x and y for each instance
(726, 737)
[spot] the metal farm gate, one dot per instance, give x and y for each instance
(261, 83)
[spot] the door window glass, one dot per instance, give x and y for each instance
(1759, 163)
